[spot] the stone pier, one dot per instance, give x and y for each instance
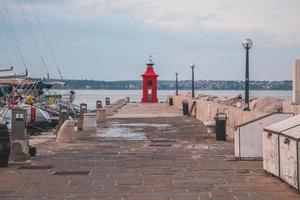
(145, 151)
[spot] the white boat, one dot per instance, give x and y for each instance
(34, 115)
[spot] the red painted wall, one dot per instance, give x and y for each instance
(150, 75)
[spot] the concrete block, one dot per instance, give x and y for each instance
(66, 132)
(89, 122)
(20, 150)
(100, 115)
(109, 110)
(288, 107)
(210, 126)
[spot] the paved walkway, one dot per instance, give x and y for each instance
(146, 110)
(158, 158)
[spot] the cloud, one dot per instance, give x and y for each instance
(275, 18)
(94, 34)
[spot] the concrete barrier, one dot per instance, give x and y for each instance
(109, 110)
(100, 115)
(66, 132)
(89, 122)
(207, 110)
(114, 107)
(120, 103)
(289, 107)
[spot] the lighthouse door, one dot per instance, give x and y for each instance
(149, 97)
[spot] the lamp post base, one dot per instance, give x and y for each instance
(246, 109)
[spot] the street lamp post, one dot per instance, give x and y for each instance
(247, 44)
(193, 80)
(176, 83)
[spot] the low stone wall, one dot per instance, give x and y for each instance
(207, 110)
(289, 107)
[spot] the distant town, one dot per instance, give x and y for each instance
(183, 85)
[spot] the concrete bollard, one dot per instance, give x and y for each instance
(20, 139)
(66, 132)
(107, 101)
(127, 99)
(83, 110)
(99, 104)
(89, 122)
(100, 115)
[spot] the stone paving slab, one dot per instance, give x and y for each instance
(146, 110)
(192, 166)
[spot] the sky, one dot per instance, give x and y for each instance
(112, 39)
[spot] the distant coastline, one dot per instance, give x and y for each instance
(183, 85)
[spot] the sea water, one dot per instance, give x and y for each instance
(91, 96)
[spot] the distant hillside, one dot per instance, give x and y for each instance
(170, 85)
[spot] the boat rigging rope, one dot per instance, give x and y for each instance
(3, 111)
(6, 51)
(34, 39)
(25, 90)
(46, 39)
(11, 34)
(23, 87)
(48, 43)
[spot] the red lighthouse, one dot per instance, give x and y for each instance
(150, 83)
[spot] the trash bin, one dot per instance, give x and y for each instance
(185, 107)
(171, 101)
(221, 119)
(4, 145)
(32, 151)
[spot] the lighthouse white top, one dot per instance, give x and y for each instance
(150, 62)
(247, 43)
